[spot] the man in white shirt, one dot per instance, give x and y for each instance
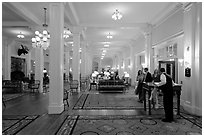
(166, 85)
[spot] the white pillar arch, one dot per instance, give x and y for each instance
(28, 60)
(67, 51)
(39, 66)
(56, 105)
(148, 49)
(132, 64)
(83, 60)
(7, 59)
(76, 54)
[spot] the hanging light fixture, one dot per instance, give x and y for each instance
(117, 15)
(20, 36)
(109, 36)
(42, 39)
(67, 33)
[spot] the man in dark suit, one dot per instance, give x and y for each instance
(147, 78)
(148, 75)
(166, 85)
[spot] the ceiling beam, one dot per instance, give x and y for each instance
(23, 12)
(70, 13)
(113, 25)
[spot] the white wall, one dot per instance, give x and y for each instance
(172, 25)
(107, 62)
(169, 31)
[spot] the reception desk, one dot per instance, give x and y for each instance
(148, 87)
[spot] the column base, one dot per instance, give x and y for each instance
(55, 109)
(78, 90)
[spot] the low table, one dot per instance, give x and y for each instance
(148, 87)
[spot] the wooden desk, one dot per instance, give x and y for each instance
(149, 87)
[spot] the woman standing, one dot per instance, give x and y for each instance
(140, 79)
(154, 95)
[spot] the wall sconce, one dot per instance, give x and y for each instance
(181, 61)
(187, 59)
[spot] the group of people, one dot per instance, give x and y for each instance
(164, 83)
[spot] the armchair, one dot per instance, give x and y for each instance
(34, 84)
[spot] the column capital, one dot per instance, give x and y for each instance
(148, 30)
(187, 6)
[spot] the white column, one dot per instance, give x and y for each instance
(7, 60)
(132, 64)
(67, 60)
(121, 62)
(56, 105)
(192, 97)
(89, 64)
(148, 51)
(156, 56)
(83, 60)
(76, 55)
(28, 60)
(39, 66)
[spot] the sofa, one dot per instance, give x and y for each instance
(16, 85)
(111, 85)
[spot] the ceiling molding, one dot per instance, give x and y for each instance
(68, 14)
(23, 12)
(164, 15)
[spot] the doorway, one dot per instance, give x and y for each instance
(171, 68)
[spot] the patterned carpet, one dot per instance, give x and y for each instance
(113, 101)
(12, 124)
(126, 125)
(107, 101)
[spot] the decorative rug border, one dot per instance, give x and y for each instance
(14, 128)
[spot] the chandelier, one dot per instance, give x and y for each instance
(67, 33)
(42, 39)
(109, 36)
(116, 15)
(20, 36)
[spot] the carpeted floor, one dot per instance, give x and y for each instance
(12, 124)
(112, 101)
(108, 101)
(126, 125)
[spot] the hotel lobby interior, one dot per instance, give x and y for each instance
(71, 68)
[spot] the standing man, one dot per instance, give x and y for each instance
(147, 78)
(166, 85)
(148, 75)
